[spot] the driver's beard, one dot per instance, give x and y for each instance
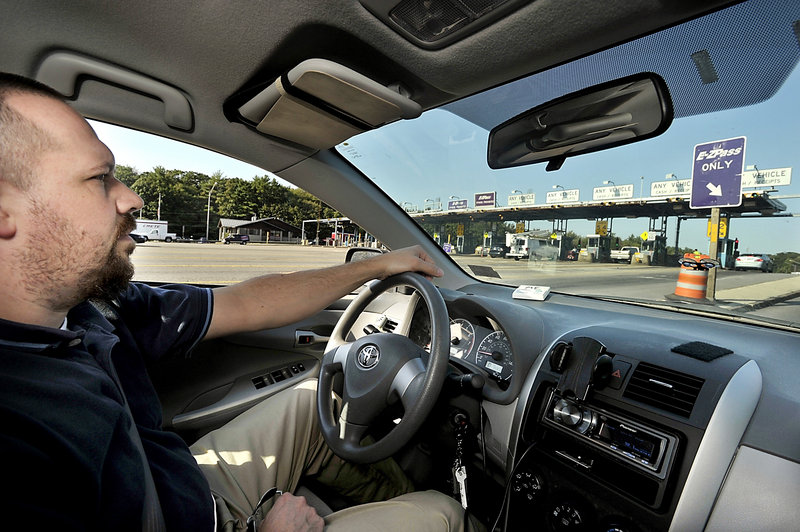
(65, 265)
(107, 281)
(112, 277)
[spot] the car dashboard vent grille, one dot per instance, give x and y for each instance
(663, 388)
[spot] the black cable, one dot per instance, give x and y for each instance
(508, 485)
(483, 440)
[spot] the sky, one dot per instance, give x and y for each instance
(458, 155)
(405, 164)
(143, 152)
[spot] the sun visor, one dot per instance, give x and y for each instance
(320, 103)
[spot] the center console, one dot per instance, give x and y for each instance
(593, 456)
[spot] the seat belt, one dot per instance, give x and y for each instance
(152, 516)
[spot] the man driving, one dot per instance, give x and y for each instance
(76, 338)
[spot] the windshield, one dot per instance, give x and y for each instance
(616, 223)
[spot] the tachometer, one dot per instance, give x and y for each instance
(462, 338)
(494, 354)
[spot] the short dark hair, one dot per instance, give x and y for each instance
(20, 139)
(16, 83)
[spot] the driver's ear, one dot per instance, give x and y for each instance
(8, 224)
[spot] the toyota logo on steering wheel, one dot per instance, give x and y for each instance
(368, 356)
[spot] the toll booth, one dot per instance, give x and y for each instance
(656, 247)
(566, 244)
(728, 250)
(598, 249)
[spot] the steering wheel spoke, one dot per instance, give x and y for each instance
(407, 383)
(337, 357)
(352, 433)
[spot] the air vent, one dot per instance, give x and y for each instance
(389, 326)
(663, 388)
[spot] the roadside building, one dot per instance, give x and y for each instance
(260, 230)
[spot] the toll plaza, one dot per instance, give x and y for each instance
(657, 210)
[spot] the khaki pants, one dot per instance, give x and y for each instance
(278, 441)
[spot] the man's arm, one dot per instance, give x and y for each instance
(276, 300)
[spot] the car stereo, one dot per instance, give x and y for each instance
(643, 447)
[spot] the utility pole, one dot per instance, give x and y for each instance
(713, 253)
(319, 215)
(208, 207)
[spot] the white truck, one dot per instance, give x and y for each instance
(531, 245)
(154, 230)
(623, 254)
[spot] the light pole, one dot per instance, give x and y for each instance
(208, 207)
(609, 182)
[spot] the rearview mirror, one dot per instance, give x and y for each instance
(596, 118)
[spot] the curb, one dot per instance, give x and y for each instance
(748, 307)
(744, 307)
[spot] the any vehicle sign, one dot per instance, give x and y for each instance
(670, 188)
(717, 174)
(563, 196)
(612, 192)
(773, 177)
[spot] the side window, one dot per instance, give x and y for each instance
(202, 199)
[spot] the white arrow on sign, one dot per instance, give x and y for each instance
(715, 190)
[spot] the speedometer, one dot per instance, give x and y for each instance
(494, 355)
(462, 338)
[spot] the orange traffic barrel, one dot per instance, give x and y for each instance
(692, 283)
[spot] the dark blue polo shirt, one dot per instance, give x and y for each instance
(64, 428)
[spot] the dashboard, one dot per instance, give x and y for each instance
(609, 416)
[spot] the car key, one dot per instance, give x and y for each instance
(461, 479)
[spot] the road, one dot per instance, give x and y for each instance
(219, 264)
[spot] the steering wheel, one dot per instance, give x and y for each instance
(377, 371)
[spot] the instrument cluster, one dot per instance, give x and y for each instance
(489, 349)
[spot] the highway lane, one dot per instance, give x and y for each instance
(219, 264)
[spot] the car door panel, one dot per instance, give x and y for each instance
(223, 377)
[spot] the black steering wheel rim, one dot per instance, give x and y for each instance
(401, 376)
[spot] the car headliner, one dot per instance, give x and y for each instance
(218, 52)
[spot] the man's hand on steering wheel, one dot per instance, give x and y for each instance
(410, 259)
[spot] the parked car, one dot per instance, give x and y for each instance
(139, 239)
(754, 261)
(241, 239)
(498, 251)
(582, 398)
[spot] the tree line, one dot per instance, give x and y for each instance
(184, 199)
